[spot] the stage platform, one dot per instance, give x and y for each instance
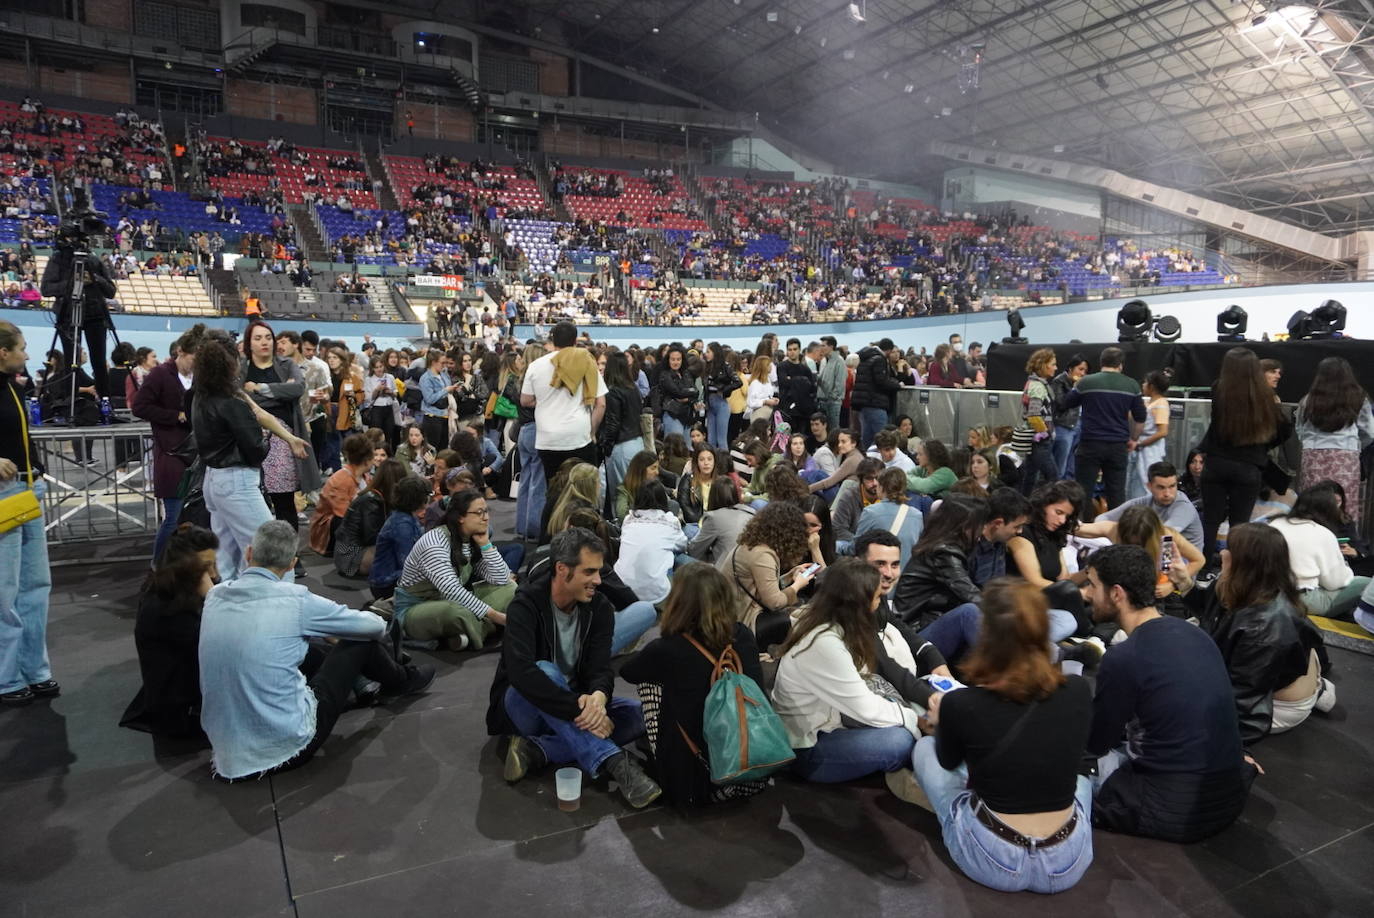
(405, 814)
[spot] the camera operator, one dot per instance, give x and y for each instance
(95, 315)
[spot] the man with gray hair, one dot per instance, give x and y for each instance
(552, 691)
(258, 709)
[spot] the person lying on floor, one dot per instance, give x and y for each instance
(269, 697)
(552, 693)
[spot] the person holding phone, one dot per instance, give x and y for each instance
(768, 567)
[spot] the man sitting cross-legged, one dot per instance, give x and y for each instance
(259, 711)
(552, 691)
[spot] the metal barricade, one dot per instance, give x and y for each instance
(99, 482)
(947, 414)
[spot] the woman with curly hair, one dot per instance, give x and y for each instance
(784, 484)
(769, 566)
(228, 426)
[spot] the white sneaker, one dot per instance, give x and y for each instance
(1326, 697)
(458, 643)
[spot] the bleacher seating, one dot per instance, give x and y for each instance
(359, 222)
(176, 209)
(515, 191)
(157, 294)
(640, 203)
(536, 239)
(291, 176)
(97, 131)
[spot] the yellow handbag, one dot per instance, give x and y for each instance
(18, 509)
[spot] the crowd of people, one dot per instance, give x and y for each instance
(897, 605)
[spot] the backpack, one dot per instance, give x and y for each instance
(745, 738)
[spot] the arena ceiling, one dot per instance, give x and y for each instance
(1264, 106)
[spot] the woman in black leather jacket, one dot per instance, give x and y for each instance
(720, 381)
(936, 578)
(621, 434)
(228, 427)
(1272, 651)
(677, 393)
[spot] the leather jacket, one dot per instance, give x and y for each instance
(227, 433)
(934, 582)
(1266, 647)
(621, 420)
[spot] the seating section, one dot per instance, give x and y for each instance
(359, 236)
(622, 198)
(536, 239)
(236, 166)
(157, 294)
(24, 201)
(176, 209)
(57, 139)
(485, 184)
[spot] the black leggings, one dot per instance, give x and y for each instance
(1229, 492)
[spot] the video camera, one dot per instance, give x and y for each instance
(76, 230)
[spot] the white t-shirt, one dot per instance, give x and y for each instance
(561, 422)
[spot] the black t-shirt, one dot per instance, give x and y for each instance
(268, 376)
(1037, 772)
(13, 413)
(1047, 551)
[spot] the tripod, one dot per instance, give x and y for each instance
(74, 326)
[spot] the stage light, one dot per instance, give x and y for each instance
(1167, 329)
(1328, 320)
(1232, 323)
(857, 13)
(1015, 324)
(1134, 321)
(1300, 326)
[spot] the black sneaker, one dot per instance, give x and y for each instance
(301, 572)
(48, 688)
(638, 789)
(17, 697)
(418, 678)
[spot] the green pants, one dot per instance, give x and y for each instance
(440, 619)
(1339, 604)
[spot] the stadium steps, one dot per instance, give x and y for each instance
(1346, 635)
(543, 177)
(378, 173)
(707, 207)
(307, 233)
(223, 282)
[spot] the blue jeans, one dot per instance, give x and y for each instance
(955, 632)
(237, 509)
(563, 742)
(871, 420)
(171, 509)
(1065, 439)
(852, 752)
(513, 554)
(25, 583)
(672, 425)
(718, 422)
(630, 624)
(529, 499)
(986, 858)
(616, 465)
(1039, 467)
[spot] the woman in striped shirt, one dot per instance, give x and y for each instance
(455, 585)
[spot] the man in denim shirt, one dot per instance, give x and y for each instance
(258, 710)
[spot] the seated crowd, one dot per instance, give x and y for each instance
(1028, 662)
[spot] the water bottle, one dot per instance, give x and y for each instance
(105, 411)
(35, 413)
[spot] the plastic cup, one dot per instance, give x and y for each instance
(568, 783)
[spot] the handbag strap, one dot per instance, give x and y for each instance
(896, 527)
(24, 431)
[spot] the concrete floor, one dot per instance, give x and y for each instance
(405, 813)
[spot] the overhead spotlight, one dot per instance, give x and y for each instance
(909, 88)
(1015, 324)
(946, 111)
(1167, 329)
(1059, 148)
(1101, 81)
(848, 54)
(1328, 320)
(825, 40)
(1134, 321)
(1232, 323)
(1259, 20)
(771, 16)
(857, 12)
(419, 42)
(654, 30)
(885, 74)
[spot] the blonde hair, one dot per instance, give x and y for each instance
(584, 486)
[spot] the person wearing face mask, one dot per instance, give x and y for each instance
(164, 401)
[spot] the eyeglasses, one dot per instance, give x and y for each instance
(482, 512)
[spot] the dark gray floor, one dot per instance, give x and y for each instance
(405, 813)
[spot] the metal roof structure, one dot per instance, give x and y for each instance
(1262, 106)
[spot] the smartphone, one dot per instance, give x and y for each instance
(810, 570)
(1166, 553)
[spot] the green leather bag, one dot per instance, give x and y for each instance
(745, 738)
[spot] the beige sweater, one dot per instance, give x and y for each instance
(755, 571)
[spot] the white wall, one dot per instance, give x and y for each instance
(988, 185)
(1269, 309)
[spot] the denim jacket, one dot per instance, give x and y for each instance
(1353, 437)
(433, 398)
(399, 534)
(256, 707)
